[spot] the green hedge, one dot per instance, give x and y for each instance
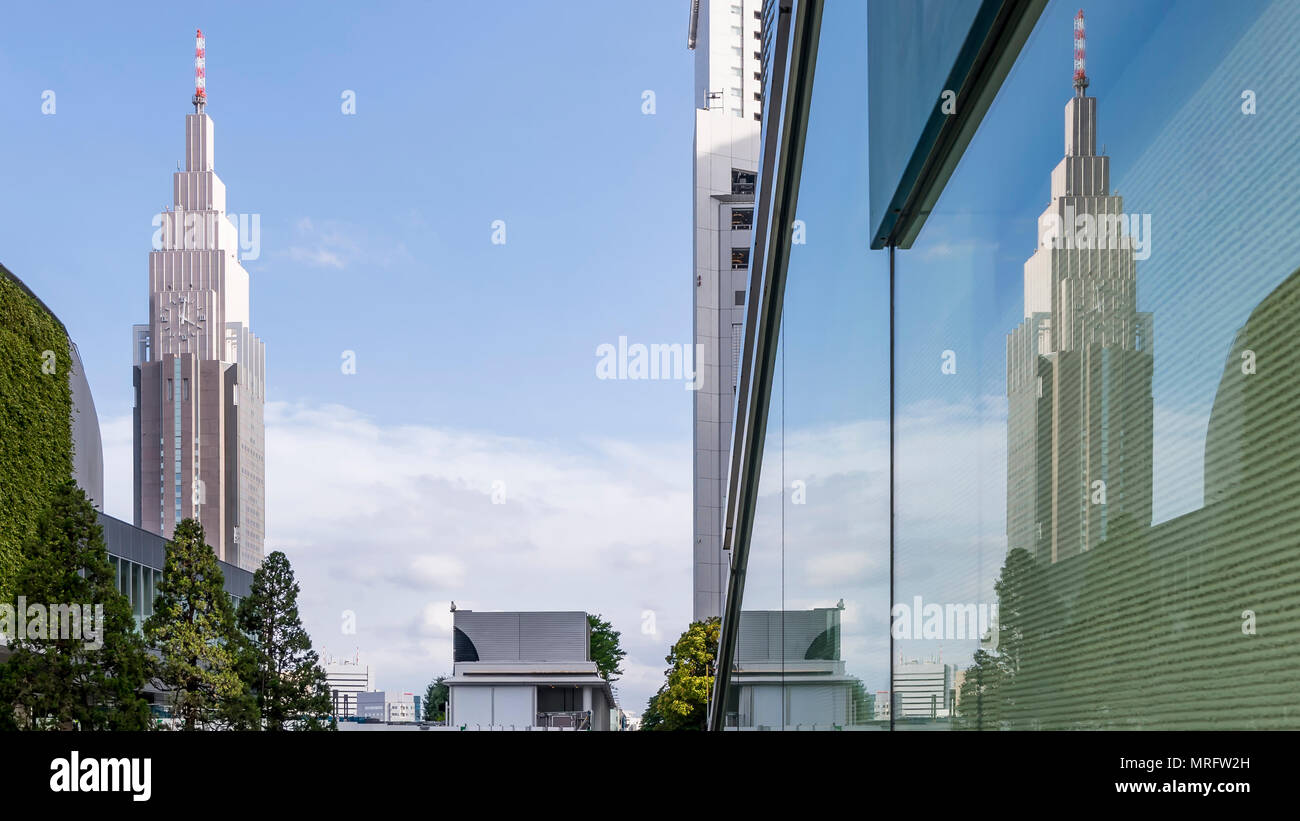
(35, 419)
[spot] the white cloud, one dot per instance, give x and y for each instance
(435, 570)
(394, 522)
(334, 244)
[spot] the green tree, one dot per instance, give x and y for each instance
(979, 701)
(435, 700)
(88, 682)
(282, 668)
(682, 701)
(652, 719)
(605, 648)
(193, 628)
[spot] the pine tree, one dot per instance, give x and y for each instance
(88, 682)
(286, 674)
(193, 627)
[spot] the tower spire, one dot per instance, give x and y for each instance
(1080, 56)
(200, 64)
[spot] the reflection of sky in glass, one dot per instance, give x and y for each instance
(1183, 151)
(1169, 114)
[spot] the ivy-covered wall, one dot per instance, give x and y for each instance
(35, 418)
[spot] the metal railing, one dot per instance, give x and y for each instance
(566, 719)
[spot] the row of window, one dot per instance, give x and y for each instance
(140, 586)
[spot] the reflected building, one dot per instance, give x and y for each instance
(789, 673)
(1079, 366)
(1152, 627)
(924, 688)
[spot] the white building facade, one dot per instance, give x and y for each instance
(382, 705)
(526, 671)
(726, 36)
(923, 689)
(347, 679)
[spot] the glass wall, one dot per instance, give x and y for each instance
(813, 646)
(1096, 506)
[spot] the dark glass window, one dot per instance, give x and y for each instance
(743, 182)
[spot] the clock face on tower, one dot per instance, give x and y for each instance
(181, 318)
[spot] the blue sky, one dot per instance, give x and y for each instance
(528, 113)
(376, 238)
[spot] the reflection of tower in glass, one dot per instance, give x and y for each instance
(1079, 365)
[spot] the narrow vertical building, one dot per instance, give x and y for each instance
(199, 369)
(1079, 367)
(726, 36)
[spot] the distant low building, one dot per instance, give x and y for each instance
(923, 689)
(881, 707)
(525, 671)
(386, 706)
(347, 679)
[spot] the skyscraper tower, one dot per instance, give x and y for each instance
(1079, 416)
(199, 369)
(726, 38)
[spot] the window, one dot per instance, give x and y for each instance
(170, 395)
(742, 219)
(185, 389)
(740, 297)
(739, 259)
(743, 182)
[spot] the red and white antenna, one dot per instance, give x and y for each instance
(200, 65)
(1080, 54)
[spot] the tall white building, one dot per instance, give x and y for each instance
(200, 381)
(726, 36)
